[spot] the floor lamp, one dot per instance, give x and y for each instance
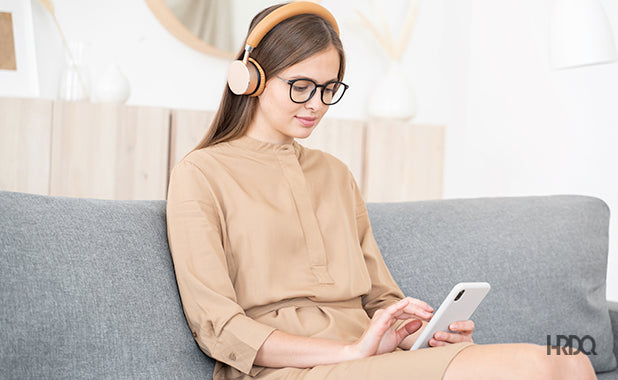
(579, 35)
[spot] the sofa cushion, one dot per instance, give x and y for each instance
(88, 291)
(545, 258)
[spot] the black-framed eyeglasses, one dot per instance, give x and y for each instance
(301, 90)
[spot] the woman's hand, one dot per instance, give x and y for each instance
(462, 333)
(381, 336)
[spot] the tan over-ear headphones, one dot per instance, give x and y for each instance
(246, 77)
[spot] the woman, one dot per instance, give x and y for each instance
(277, 267)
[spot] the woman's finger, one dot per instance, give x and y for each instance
(437, 343)
(406, 310)
(409, 308)
(462, 333)
(442, 337)
(409, 328)
(397, 306)
(415, 311)
(383, 319)
(420, 303)
(449, 337)
(462, 326)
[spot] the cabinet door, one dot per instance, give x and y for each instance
(404, 162)
(188, 129)
(25, 136)
(122, 152)
(109, 151)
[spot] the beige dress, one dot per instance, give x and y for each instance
(266, 237)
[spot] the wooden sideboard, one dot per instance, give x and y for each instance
(109, 151)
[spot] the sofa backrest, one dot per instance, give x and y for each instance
(545, 258)
(87, 286)
(88, 291)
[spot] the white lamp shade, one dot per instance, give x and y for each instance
(579, 34)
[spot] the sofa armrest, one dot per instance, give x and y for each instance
(613, 315)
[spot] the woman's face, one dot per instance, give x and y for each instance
(277, 119)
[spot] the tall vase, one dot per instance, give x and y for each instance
(74, 82)
(393, 96)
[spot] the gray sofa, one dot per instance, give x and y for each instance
(88, 288)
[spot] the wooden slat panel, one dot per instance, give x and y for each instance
(188, 128)
(404, 161)
(109, 151)
(119, 152)
(143, 153)
(25, 136)
(344, 139)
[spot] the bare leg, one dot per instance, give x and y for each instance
(517, 361)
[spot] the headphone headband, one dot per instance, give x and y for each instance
(246, 77)
(283, 13)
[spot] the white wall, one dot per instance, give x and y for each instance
(517, 128)
(164, 72)
(478, 66)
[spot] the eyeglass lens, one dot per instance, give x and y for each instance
(301, 90)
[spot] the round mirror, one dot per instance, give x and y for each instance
(215, 27)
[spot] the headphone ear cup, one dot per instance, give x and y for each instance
(261, 78)
(246, 79)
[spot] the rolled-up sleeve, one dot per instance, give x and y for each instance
(384, 290)
(196, 235)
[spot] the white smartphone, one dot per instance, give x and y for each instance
(459, 305)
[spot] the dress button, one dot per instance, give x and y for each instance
(194, 334)
(232, 356)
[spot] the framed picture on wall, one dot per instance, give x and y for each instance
(18, 70)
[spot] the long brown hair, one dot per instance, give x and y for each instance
(288, 43)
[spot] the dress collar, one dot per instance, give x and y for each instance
(249, 143)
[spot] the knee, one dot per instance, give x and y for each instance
(576, 366)
(540, 365)
(518, 361)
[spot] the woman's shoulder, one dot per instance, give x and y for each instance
(327, 158)
(202, 156)
(198, 159)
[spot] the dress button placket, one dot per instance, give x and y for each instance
(313, 237)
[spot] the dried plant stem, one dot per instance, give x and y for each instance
(383, 40)
(406, 31)
(393, 50)
(390, 45)
(50, 8)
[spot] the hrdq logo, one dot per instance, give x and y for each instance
(565, 343)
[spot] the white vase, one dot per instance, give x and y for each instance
(393, 96)
(74, 82)
(113, 86)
